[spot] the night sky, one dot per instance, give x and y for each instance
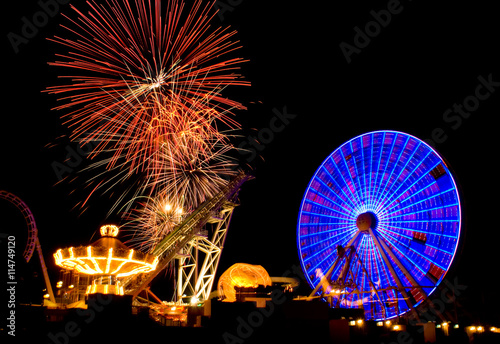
(418, 73)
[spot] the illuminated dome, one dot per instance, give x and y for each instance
(108, 259)
(241, 275)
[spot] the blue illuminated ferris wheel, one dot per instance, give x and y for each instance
(379, 224)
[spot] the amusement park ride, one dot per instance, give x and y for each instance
(113, 268)
(378, 229)
(32, 242)
(379, 225)
(190, 237)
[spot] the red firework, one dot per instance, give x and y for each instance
(128, 55)
(145, 85)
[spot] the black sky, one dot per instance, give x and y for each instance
(429, 57)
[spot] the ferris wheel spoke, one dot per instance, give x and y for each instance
(416, 269)
(393, 229)
(433, 197)
(385, 153)
(394, 195)
(332, 269)
(421, 254)
(435, 255)
(388, 279)
(364, 169)
(410, 194)
(333, 234)
(390, 267)
(344, 242)
(367, 268)
(388, 176)
(349, 183)
(361, 172)
(431, 244)
(339, 187)
(311, 240)
(344, 210)
(358, 165)
(374, 164)
(399, 168)
(325, 216)
(405, 272)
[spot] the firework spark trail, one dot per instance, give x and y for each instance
(134, 60)
(148, 92)
(185, 153)
(156, 217)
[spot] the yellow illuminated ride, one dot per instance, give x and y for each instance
(241, 275)
(107, 260)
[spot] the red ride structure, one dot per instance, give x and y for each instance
(32, 241)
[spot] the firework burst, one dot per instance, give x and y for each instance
(145, 87)
(180, 153)
(131, 54)
(156, 218)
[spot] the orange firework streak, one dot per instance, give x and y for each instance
(147, 89)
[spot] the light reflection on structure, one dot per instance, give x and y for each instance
(107, 261)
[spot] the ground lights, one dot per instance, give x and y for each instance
(444, 326)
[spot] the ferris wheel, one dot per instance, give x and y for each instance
(379, 224)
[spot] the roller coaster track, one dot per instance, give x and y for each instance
(32, 241)
(30, 222)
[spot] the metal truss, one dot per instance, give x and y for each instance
(333, 290)
(347, 277)
(179, 242)
(195, 282)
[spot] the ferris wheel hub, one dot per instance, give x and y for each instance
(365, 221)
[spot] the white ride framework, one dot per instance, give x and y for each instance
(199, 237)
(191, 279)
